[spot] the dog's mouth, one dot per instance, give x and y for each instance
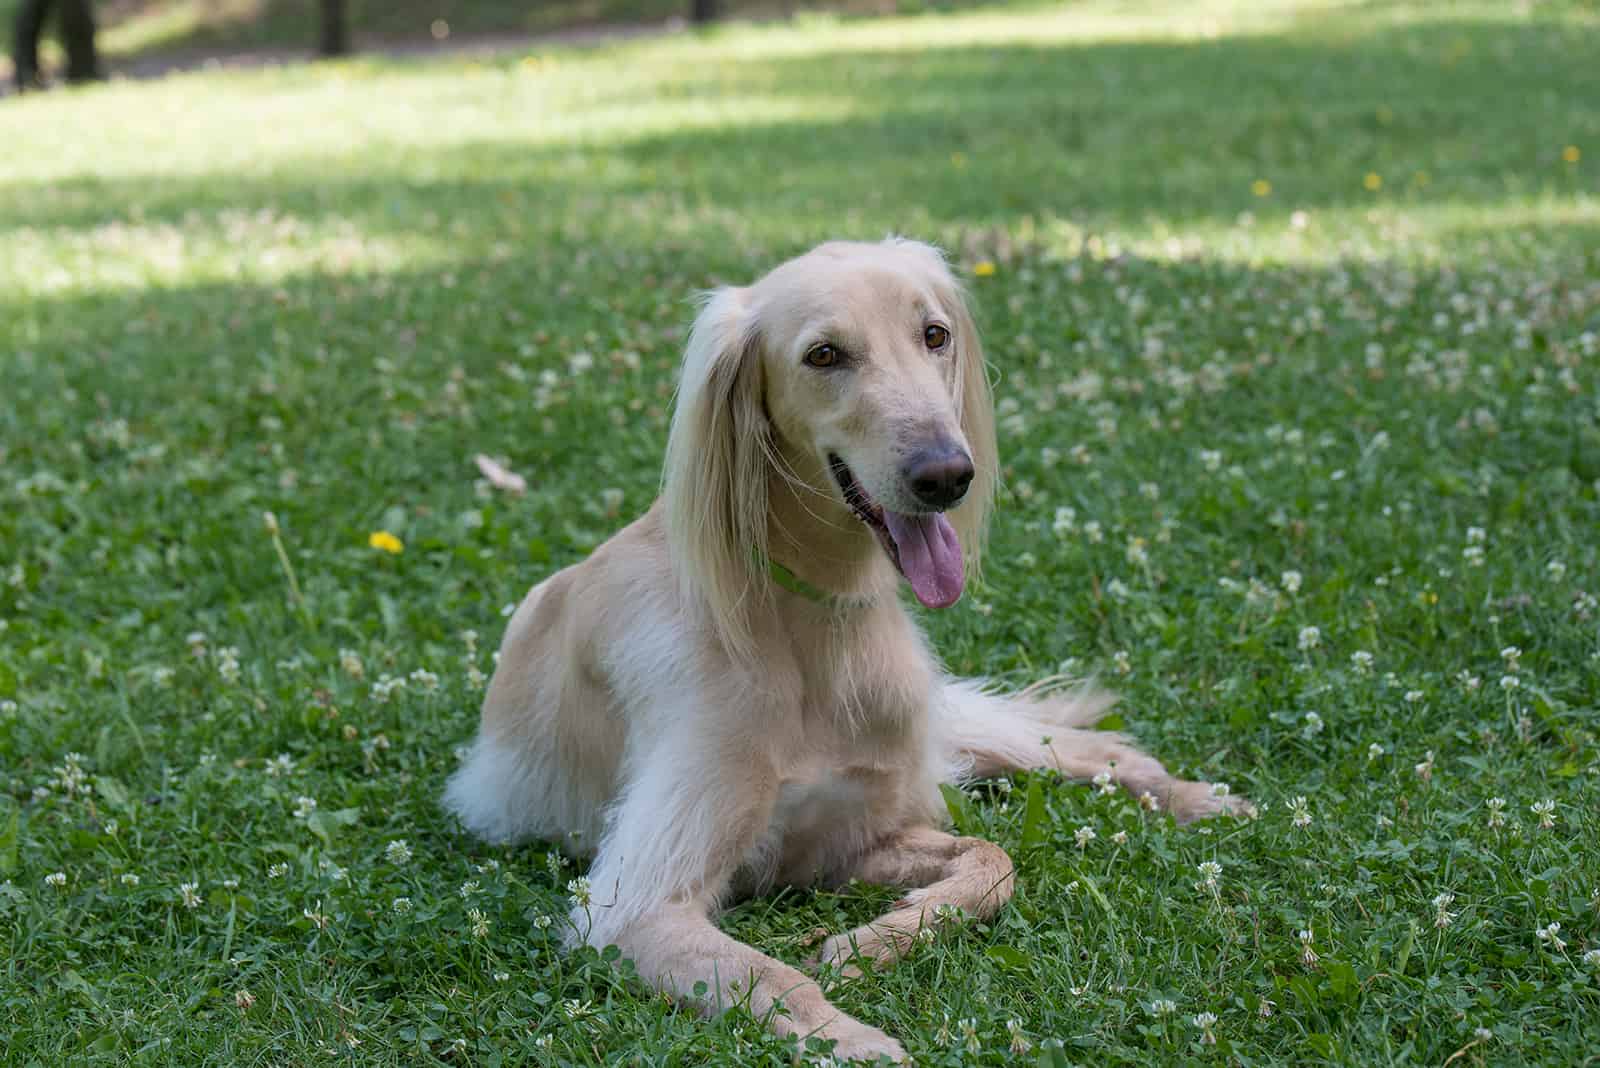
(923, 547)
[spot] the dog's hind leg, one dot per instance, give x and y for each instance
(985, 734)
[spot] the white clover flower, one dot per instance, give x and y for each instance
(1149, 802)
(304, 806)
(1206, 1021)
(1137, 553)
(423, 679)
(398, 852)
(1477, 535)
(1094, 532)
(1083, 836)
(1546, 811)
(1473, 555)
(1509, 683)
(190, 894)
(1310, 638)
(1103, 783)
(468, 888)
(228, 664)
(350, 663)
(1424, 770)
(1220, 789)
(277, 871)
(401, 905)
(1210, 873)
(1122, 663)
(1468, 680)
(1019, 1043)
(1300, 811)
(280, 765)
(1210, 459)
(1482, 1034)
(1163, 1007)
(1550, 935)
(579, 892)
(1592, 958)
(242, 997)
(1413, 697)
(1512, 656)
(1496, 807)
(1308, 955)
(1120, 838)
(1361, 660)
(1374, 751)
(969, 1035)
(130, 879)
(1556, 570)
(57, 879)
(500, 977)
(480, 923)
(1313, 724)
(1290, 581)
(1443, 917)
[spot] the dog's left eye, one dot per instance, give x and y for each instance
(935, 336)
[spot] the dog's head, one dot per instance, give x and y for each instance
(862, 361)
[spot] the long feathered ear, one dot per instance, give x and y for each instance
(715, 483)
(974, 403)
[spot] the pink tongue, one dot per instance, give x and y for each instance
(930, 556)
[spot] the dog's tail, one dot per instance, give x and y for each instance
(983, 731)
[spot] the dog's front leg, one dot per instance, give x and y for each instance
(678, 835)
(969, 876)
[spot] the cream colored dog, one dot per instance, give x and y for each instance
(729, 694)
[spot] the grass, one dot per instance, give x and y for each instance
(1294, 316)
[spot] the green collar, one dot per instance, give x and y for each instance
(795, 584)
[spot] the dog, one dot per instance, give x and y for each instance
(729, 695)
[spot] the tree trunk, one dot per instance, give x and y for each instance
(335, 40)
(702, 11)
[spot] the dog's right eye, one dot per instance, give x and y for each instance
(823, 355)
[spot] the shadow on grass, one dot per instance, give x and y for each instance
(1118, 133)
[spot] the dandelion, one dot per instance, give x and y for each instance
(190, 894)
(57, 879)
(579, 892)
(1550, 935)
(1424, 770)
(983, 268)
(1497, 815)
(1308, 955)
(1443, 917)
(400, 905)
(398, 852)
(385, 542)
(480, 923)
(1546, 811)
(1290, 581)
(1261, 187)
(1300, 811)
(1361, 660)
(1083, 836)
(1571, 154)
(1206, 1021)
(1019, 1043)
(1310, 638)
(242, 997)
(1372, 182)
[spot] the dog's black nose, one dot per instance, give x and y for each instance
(940, 475)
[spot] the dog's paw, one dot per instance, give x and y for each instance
(856, 1041)
(1189, 801)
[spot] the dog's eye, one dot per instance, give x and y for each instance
(935, 337)
(823, 355)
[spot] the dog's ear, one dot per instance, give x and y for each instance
(974, 402)
(714, 486)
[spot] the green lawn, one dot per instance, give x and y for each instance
(1294, 309)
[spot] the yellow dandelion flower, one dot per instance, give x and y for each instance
(1261, 187)
(1373, 181)
(983, 268)
(958, 159)
(1571, 154)
(385, 542)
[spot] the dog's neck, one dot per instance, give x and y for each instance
(816, 536)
